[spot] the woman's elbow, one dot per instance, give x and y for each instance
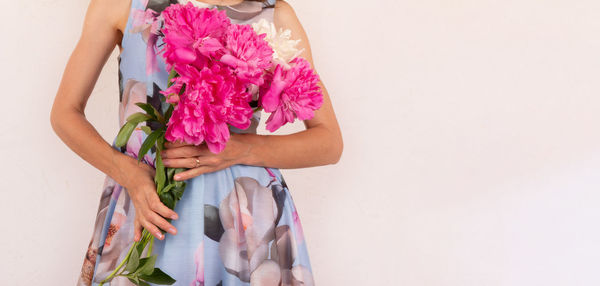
(337, 148)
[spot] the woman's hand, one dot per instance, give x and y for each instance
(182, 155)
(149, 210)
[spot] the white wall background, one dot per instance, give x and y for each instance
(472, 143)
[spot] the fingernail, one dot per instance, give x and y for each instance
(174, 216)
(172, 230)
(177, 177)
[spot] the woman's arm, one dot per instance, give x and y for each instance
(320, 144)
(101, 32)
(97, 41)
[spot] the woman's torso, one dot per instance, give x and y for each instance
(142, 73)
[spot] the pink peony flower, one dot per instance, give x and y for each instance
(290, 93)
(192, 34)
(212, 99)
(248, 53)
(217, 63)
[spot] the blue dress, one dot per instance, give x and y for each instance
(236, 226)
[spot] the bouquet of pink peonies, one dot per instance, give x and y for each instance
(214, 67)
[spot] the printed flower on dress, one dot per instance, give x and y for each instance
(298, 227)
(146, 21)
(117, 236)
(199, 263)
(135, 143)
(133, 92)
(248, 215)
(143, 21)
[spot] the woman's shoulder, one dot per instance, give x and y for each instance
(113, 12)
(283, 7)
(121, 13)
(106, 16)
(284, 17)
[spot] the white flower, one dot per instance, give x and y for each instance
(284, 48)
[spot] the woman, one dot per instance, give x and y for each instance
(236, 223)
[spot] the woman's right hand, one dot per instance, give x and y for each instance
(149, 210)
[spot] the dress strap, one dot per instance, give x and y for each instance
(157, 5)
(249, 11)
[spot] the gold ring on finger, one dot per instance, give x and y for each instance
(197, 163)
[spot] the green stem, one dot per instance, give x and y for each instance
(150, 246)
(143, 240)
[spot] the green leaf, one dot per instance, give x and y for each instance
(167, 199)
(177, 191)
(124, 134)
(172, 74)
(170, 172)
(182, 90)
(160, 176)
(147, 107)
(158, 277)
(146, 129)
(140, 247)
(138, 117)
(179, 170)
(127, 128)
(169, 112)
(134, 279)
(146, 265)
(151, 111)
(168, 187)
(148, 143)
(134, 261)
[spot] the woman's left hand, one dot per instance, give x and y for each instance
(182, 155)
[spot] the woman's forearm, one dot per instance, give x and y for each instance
(308, 148)
(80, 136)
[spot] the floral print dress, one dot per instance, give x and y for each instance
(236, 226)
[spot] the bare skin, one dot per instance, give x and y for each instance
(104, 23)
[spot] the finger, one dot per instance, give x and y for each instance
(162, 223)
(153, 229)
(137, 230)
(193, 173)
(181, 152)
(190, 162)
(186, 151)
(169, 144)
(157, 206)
